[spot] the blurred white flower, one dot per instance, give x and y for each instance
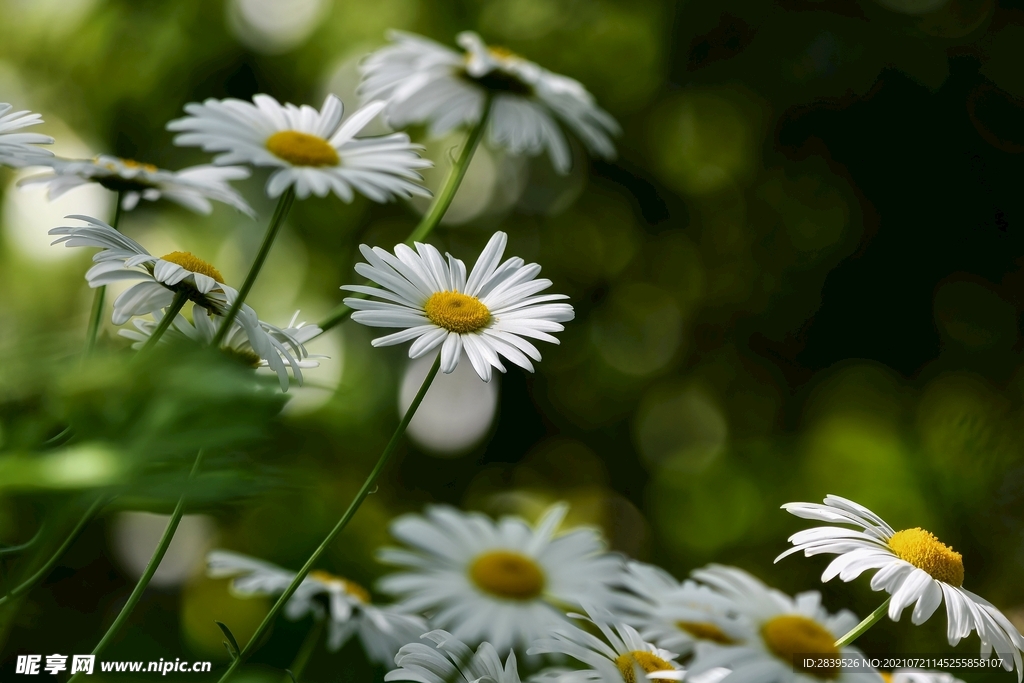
(381, 630)
(503, 582)
(425, 82)
(776, 629)
(16, 148)
(452, 661)
(487, 314)
(314, 151)
(621, 656)
(192, 187)
(914, 567)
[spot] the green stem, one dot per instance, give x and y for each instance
(437, 209)
(154, 563)
(863, 626)
(276, 221)
(169, 315)
(364, 491)
(305, 651)
(96, 317)
(48, 565)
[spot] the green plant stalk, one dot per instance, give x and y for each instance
(863, 626)
(41, 573)
(284, 205)
(96, 317)
(169, 315)
(154, 563)
(437, 209)
(364, 491)
(305, 651)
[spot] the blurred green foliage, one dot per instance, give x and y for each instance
(802, 276)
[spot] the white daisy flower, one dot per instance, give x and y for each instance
(179, 272)
(622, 656)
(487, 314)
(381, 630)
(15, 146)
(779, 633)
(914, 567)
(677, 616)
(425, 82)
(192, 187)
(288, 342)
(314, 152)
(502, 582)
(452, 661)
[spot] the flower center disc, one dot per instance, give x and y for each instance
(193, 263)
(350, 587)
(302, 149)
(508, 575)
(457, 312)
(791, 637)
(923, 550)
(135, 165)
(703, 630)
(647, 661)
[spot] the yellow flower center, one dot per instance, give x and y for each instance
(921, 549)
(502, 53)
(135, 165)
(193, 263)
(647, 662)
(457, 312)
(703, 630)
(351, 587)
(886, 676)
(507, 574)
(790, 635)
(302, 149)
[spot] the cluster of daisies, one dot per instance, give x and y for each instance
(487, 315)
(506, 601)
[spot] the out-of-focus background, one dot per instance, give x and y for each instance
(802, 276)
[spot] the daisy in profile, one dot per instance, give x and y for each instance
(346, 604)
(288, 342)
(425, 82)
(503, 582)
(192, 187)
(489, 314)
(912, 565)
(14, 145)
(315, 152)
(621, 656)
(780, 632)
(451, 661)
(674, 615)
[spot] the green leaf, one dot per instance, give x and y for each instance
(231, 644)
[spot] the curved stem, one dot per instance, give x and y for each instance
(96, 317)
(41, 573)
(154, 563)
(364, 491)
(276, 221)
(437, 209)
(863, 626)
(169, 315)
(305, 651)
(21, 547)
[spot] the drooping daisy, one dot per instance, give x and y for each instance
(487, 314)
(288, 342)
(777, 629)
(452, 661)
(192, 187)
(503, 582)
(674, 615)
(347, 605)
(316, 152)
(15, 146)
(179, 272)
(425, 82)
(622, 656)
(914, 567)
